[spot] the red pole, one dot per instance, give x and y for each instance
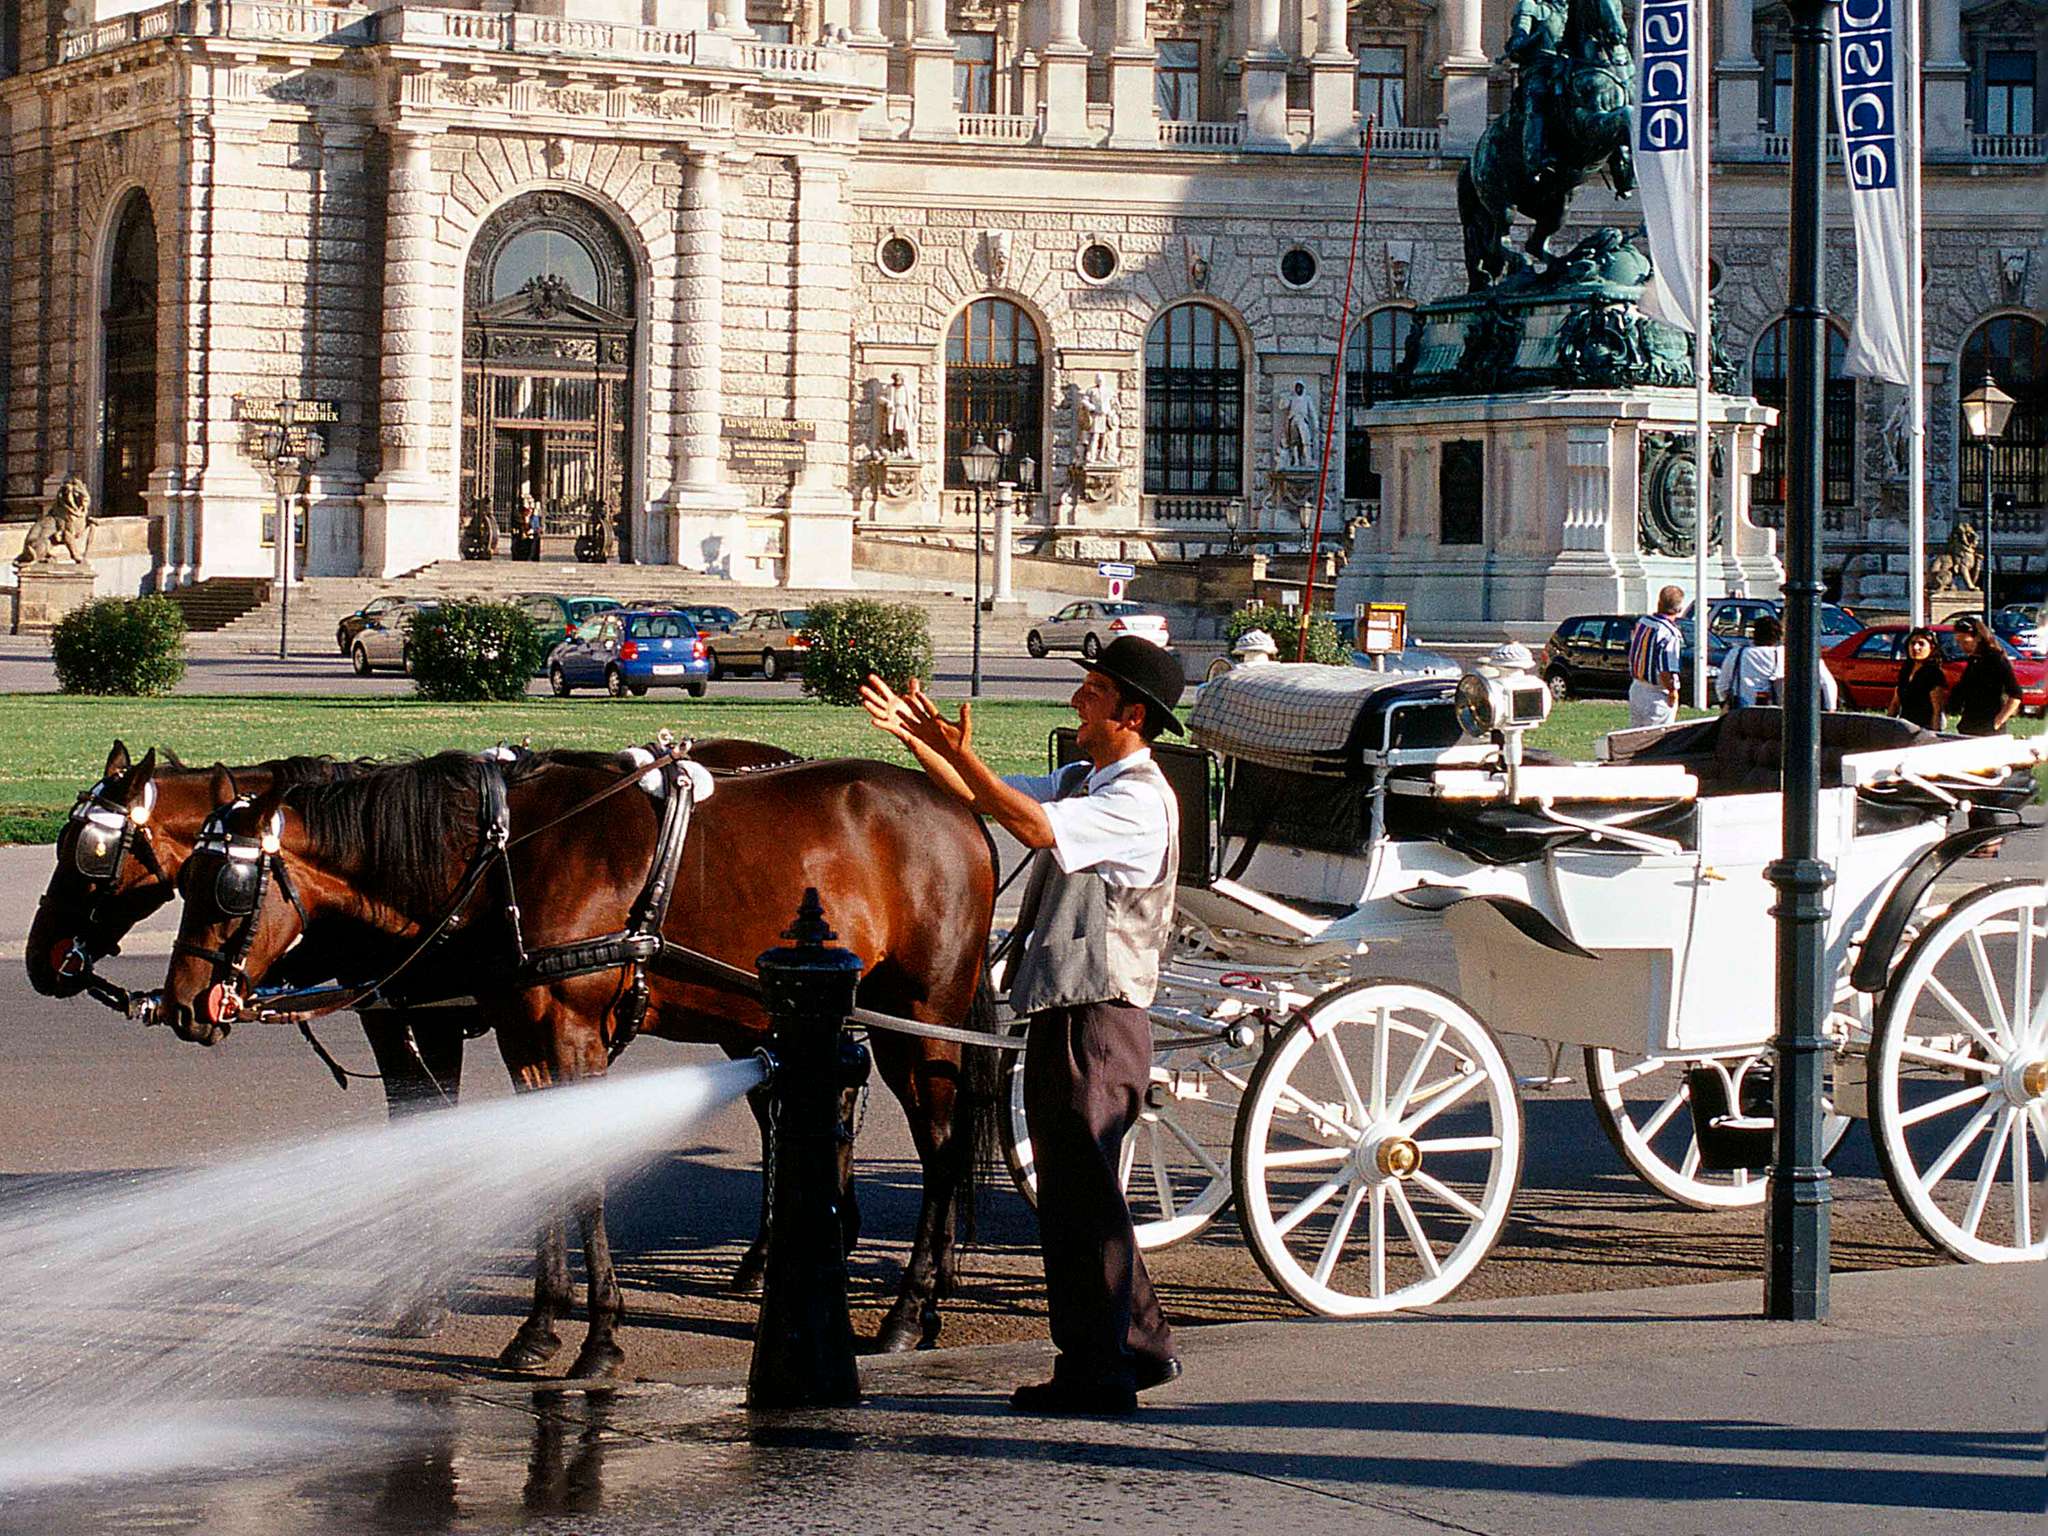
(1308, 602)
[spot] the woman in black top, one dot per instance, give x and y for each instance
(1923, 686)
(1987, 694)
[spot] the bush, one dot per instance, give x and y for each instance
(122, 645)
(473, 650)
(1324, 643)
(851, 637)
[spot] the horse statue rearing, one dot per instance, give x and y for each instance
(1570, 116)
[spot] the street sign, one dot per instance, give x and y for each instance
(1290, 600)
(1116, 589)
(1116, 570)
(1382, 628)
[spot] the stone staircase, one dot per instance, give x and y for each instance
(319, 603)
(214, 605)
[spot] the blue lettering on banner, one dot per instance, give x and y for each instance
(1664, 108)
(1869, 99)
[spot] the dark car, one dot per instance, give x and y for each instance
(629, 650)
(557, 617)
(1866, 665)
(1587, 655)
(375, 610)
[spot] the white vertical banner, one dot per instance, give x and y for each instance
(1873, 56)
(1671, 123)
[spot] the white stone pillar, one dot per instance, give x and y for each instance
(1063, 78)
(408, 520)
(1739, 77)
(705, 517)
(1333, 79)
(817, 540)
(1133, 115)
(934, 113)
(1946, 129)
(1006, 514)
(1465, 66)
(1264, 82)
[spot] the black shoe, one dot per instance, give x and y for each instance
(1151, 1371)
(1075, 1399)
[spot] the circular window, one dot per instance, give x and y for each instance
(897, 255)
(1297, 268)
(1098, 262)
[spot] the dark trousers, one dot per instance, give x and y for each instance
(1085, 1072)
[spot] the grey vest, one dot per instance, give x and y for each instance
(1085, 940)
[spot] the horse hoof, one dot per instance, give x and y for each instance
(598, 1362)
(529, 1350)
(746, 1279)
(902, 1331)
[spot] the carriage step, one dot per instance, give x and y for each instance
(1732, 1139)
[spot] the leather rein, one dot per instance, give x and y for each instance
(129, 826)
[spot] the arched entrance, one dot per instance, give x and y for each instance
(128, 364)
(547, 368)
(994, 382)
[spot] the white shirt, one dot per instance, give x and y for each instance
(1751, 671)
(1118, 829)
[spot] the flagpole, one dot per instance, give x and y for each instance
(1916, 341)
(1702, 352)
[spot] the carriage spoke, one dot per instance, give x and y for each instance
(1980, 1192)
(1969, 1133)
(1460, 1144)
(1666, 1110)
(1413, 1075)
(1623, 1076)
(1913, 1050)
(1342, 1067)
(1993, 1047)
(1327, 1114)
(1416, 1235)
(1162, 1181)
(1448, 1195)
(1333, 1249)
(1443, 1101)
(1690, 1163)
(1126, 1155)
(1376, 1237)
(2023, 973)
(2022, 1193)
(1987, 984)
(1942, 1105)
(1738, 1177)
(1382, 1045)
(1307, 1157)
(1316, 1200)
(1196, 1149)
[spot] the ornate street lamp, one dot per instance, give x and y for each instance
(980, 464)
(1233, 519)
(289, 452)
(1986, 410)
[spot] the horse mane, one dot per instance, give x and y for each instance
(290, 772)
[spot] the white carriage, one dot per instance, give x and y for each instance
(1369, 1126)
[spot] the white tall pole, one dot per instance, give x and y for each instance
(1916, 344)
(1702, 354)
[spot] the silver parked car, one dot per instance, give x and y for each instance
(1088, 627)
(382, 641)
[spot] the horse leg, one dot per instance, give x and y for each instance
(421, 1308)
(600, 1355)
(536, 1342)
(753, 1265)
(925, 1078)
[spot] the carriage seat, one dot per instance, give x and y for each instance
(1742, 752)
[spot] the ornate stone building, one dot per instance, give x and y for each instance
(753, 283)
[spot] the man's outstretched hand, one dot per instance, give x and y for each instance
(914, 719)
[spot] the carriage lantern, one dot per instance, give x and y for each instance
(1986, 410)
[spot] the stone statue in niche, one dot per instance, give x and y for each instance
(1298, 427)
(1097, 420)
(67, 523)
(896, 419)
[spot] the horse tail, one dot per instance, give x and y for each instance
(985, 1076)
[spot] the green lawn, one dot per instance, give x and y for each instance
(53, 745)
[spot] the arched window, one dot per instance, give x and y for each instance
(1375, 349)
(994, 379)
(547, 399)
(2014, 348)
(1838, 430)
(128, 392)
(1194, 405)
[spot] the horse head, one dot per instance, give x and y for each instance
(1596, 32)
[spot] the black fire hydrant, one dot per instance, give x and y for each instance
(803, 1346)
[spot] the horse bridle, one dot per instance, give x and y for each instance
(106, 832)
(248, 866)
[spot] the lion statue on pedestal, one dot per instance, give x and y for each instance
(67, 523)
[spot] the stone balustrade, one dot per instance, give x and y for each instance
(999, 127)
(1219, 513)
(2009, 146)
(1200, 135)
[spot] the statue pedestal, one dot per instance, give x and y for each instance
(45, 591)
(1500, 510)
(1946, 607)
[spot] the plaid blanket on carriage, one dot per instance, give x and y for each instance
(1302, 718)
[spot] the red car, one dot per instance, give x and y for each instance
(1867, 667)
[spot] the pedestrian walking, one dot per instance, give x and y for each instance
(1755, 673)
(1985, 697)
(1097, 914)
(1923, 684)
(1654, 652)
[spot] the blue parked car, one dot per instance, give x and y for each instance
(629, 650)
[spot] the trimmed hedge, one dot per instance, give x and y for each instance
(470, 651)
(132, 646)
(1324, 643)
(851, 637)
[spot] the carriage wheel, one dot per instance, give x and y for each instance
(1379, 1149)
(1654, 1132)
(1175, 1167)
(1959, 1077)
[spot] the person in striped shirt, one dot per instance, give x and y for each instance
(1653, 662)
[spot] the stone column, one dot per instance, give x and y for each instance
(1739, 77)
(1265, 80)
(1946, 125)
(870, 51)
(1063, 77)
(1465, 65)
(1133, 116)
(1333, 80)
(706, 523)
(817, 541)
(409, 520)
(934, 113)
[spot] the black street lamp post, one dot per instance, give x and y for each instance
(290, 451)
(1797, 1221)
(1986, 410)
(981, 463)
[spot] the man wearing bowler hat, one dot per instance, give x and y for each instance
(1096, 916)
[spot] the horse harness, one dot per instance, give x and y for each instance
(108, 831)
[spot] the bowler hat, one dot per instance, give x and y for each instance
(1142, 670)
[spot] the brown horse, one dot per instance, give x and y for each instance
(372, 864)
